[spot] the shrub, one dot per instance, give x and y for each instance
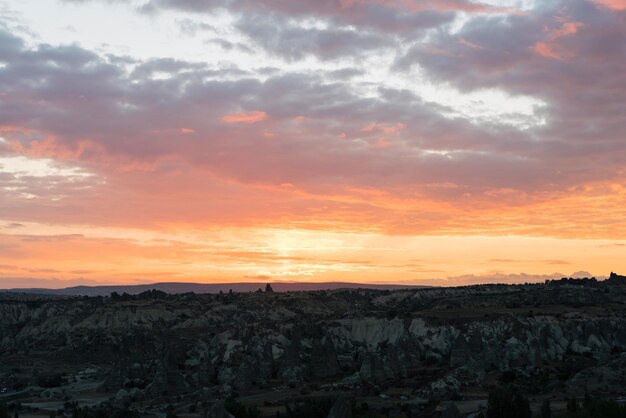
(504, 403)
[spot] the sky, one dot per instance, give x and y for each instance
(446, 142)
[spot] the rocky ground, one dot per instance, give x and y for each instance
(339, 353)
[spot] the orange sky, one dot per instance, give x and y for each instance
(110, 255)
(442, 143)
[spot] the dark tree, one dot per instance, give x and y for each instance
(504, 403)
(521, 406)
(572, 405)
(602, 408)
(254, 412)
(235, 408)
(546, 410)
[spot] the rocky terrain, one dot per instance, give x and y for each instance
(337, 353)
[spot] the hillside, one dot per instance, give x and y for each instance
(395, 351)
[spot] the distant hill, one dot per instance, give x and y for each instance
(173, 287)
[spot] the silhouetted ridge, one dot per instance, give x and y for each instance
(175, 288)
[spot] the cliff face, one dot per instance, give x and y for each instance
(436, 341)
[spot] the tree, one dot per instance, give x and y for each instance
(254, 412)
(235, 408)
(602, 408)
(546, 410)
(520, 407)
(504, 403)
(572, 405)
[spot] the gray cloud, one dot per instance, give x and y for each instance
(294, 43)
(361, 14)
(109, 113)
(75, 94)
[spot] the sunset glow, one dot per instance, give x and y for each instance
(422, 142)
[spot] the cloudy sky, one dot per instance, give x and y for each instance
(411, 141)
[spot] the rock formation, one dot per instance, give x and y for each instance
(428, 344)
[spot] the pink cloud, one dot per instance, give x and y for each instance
(568, 28)
(499, 172)
(612, 4)
(384, 128)
(383, 143)
(545, 50)
(424, 5)
(469, 44)
(245, 117)
(548, 49)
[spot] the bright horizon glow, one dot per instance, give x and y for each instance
(274, 255)
(440, 143)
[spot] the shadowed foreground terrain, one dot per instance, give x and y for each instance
(552, 348)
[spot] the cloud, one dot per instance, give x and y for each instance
(549, 49)
(508, 260)
(471, 279)
(389, 16)
(587, 43)
(612, 4)
(295, 42)
(8, 267)
(13, 225)
(43, 270)
(245, 117)
(260, 277)
(338, 147)
(383, 128)
(546, 50)
(190, 27)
